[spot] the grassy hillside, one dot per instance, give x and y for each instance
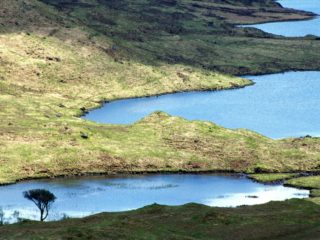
(194, 33)
(153, 32)
(294, 220)
(60, 58)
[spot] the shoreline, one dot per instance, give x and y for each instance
(310, 17)
(101, 103)
(104, 102)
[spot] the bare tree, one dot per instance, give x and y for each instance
(43, 199)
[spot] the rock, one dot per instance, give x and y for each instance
(56, 59)
(84, 135)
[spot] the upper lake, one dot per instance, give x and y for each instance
(295, 28)
(278, 106)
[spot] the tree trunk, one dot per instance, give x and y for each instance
(41, 216)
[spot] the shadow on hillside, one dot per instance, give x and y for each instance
(168, 31)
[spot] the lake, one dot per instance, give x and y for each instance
(278, 106)
(78, 197)
(294, 28)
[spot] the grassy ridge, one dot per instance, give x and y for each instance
(157, 143)
(293, 219)
(60, 59)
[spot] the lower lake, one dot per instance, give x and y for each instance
(78, 197)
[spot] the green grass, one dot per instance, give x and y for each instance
(293, 219)
(315, 193)
(272, 177)
(311, 182)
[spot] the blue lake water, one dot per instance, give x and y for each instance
(84, 196)
(278, 106)
(295, 28)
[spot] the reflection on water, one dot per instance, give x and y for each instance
(295, 28)
(85, 196)
(278, 106)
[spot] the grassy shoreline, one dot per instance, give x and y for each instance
(294, 219)
(247, 83)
